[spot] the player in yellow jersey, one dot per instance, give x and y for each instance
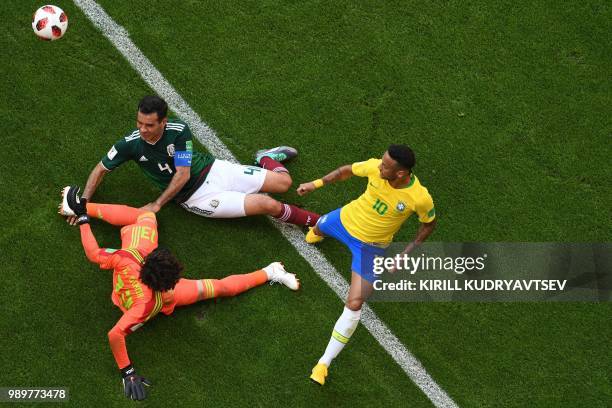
(367, 226)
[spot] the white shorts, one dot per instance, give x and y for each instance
(223, 192)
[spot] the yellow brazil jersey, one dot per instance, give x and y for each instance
(379, 213)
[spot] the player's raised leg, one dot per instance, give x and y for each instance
(278, 179)
(328, 224)
(276, 182)
(188, 291)
(345, 326)
(114, 214)
(255, 204)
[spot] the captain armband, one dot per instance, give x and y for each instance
(182, 158)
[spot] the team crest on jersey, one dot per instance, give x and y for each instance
(214, 203)
(401, 206)
(170, 149)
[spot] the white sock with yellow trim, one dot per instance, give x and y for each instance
(343, 330)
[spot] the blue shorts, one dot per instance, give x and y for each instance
(363, 254)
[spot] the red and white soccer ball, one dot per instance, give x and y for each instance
(50, 23)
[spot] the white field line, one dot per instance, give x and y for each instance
(119, 37)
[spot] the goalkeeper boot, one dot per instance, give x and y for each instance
(277, 273)
(63, 208)
(279, 154)
(313, 238)
(319, 372)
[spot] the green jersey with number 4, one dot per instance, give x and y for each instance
(158, 161)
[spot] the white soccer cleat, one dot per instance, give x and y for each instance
(277, 273)
(63, 208)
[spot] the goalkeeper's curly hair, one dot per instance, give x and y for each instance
(161, 270)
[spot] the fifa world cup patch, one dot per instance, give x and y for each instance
(111, 153)
(401, 206)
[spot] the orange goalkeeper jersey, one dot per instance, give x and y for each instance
(138, 302)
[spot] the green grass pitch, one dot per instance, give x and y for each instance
(507, 105)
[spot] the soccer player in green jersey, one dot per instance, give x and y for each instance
(164, 151)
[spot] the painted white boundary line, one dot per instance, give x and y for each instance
(119, 37)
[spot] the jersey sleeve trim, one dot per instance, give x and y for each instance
(426, 210)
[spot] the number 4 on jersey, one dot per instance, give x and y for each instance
(165, 167)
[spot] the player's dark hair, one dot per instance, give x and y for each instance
(153, 103)
(161, 270)
(403, 155)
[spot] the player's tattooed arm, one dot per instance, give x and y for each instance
(425, 230)
(340, 174)
(180, 178)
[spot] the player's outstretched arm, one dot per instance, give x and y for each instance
(78, 205)
(90, 245)
(133, 384)
(424, 231)
(340, 174)
(93, 181)
(180, 178)
(101, 256)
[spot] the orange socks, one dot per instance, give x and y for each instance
(188, 291)
(236, 284)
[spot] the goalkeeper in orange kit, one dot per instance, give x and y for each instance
(147, 279)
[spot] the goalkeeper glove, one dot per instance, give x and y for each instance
(133, 384)
(78, 205)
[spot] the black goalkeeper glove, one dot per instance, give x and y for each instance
(78, 205)
(133, 384)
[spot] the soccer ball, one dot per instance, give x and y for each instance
(50, 23)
